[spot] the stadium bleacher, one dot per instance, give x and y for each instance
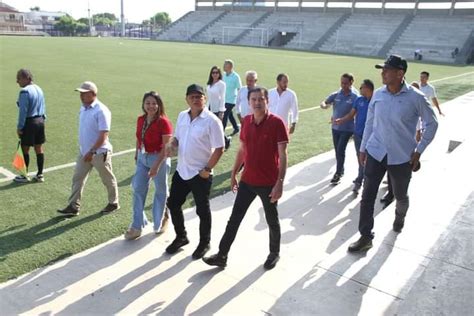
(331, 28)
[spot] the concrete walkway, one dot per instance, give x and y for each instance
(427, 269)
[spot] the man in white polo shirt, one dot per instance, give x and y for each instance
(242, 106)
(199, 139)
(95, 150)
(284, 103)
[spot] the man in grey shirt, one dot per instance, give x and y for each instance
(389, 144)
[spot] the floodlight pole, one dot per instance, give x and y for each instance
(90, 21)
(122, 17)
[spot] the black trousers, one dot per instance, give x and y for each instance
(245, 196)
(200, 189)
(400, 176)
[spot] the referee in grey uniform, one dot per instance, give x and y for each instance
(30, 127)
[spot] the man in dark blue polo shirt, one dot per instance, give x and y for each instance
(30, 127)
(342, 101)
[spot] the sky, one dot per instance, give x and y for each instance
(135, 10)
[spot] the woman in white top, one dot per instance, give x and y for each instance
(216, 92)
(216, 97)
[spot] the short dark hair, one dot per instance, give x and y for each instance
(281, 76)
(159, 101)
(258, 89)
(25, 73)
(348, 76)
(426, 73)
(369, 84)
(210, 80)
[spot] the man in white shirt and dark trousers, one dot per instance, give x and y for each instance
(389, 145)
(242, 106)
(284, 103)
(199, 139)
(95, 150)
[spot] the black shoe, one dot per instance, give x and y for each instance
(216, 260)
(387, 198)
(227, 140)
(364, 243)
(398, 224)
(235, 132)
(336, 178)
(201, 251)
(271, 261)
(177, 243)
(69, 210)
(110, 208)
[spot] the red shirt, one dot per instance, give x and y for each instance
(261, 157)
(154, 133)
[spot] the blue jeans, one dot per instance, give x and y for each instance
(141, 183)
(357, 142)
(340, 140)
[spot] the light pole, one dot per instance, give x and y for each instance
(122, 17)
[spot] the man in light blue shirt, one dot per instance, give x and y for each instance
(389, 144)
(232, 84)
(95, 151)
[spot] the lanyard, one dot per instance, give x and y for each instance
(144, 129)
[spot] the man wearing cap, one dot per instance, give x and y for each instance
(30, 127)
(199, 139)
(263, 150)
(95, 151)
(389, 145)
(284, 103)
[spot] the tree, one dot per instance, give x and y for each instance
(68, 26)
(35, 8)
(160, 20)
(104, 19)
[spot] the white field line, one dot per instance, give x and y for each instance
(451, 77)
(9, 175)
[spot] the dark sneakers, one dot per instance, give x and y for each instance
(398, 224)
(69, 210)
(177, 243)
(110, 208)
(336, 178)
(216, 260)
(201, 250)
(364, 243)
(271, 261)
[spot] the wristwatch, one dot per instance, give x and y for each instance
(206, 168)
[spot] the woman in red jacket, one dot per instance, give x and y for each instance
(154, 130)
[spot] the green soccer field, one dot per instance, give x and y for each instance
(31, 234)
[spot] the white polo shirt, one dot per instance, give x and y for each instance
(429, 91)
(197, 140)
(284, 105)
(216, 97)
(92, 120)
(242, 104)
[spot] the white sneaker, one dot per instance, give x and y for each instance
(38, 178)
(21, 179)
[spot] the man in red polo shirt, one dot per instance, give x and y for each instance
(264, 139)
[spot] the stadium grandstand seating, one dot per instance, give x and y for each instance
(338, 26)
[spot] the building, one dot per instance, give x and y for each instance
(11, 20)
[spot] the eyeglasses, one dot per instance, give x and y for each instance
(215, 72)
